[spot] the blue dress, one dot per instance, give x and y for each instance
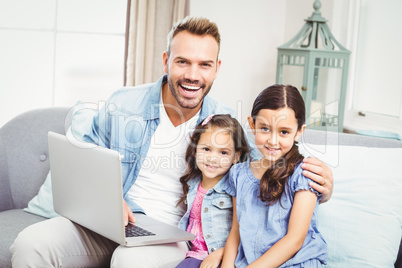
(262, 226)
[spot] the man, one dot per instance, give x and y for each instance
(148, 124)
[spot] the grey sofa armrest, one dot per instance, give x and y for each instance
(24, 160)
(24, 165)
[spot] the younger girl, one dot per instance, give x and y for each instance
(216, 144)
(274, 219)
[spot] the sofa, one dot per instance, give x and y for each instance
(24, 165)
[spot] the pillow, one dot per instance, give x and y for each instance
(362, 221)
(42, 203)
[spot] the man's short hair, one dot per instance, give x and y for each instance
(195, 25)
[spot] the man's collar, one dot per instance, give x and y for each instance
(151, 110)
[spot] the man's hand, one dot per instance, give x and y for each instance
(128, 214)
(321, 174)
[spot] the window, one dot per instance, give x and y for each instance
(375, 88)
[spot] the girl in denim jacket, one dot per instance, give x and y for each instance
(216, 144)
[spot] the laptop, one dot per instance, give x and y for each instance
(87, 189)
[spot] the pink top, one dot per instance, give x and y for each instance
(199, 248)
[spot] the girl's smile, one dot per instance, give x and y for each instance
(273, 151)
(215, 153)
(275, 133)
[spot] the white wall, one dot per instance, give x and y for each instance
(250, 34)
(75, 49)
(55, 52)
(251, 31)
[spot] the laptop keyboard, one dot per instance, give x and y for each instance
(134, 231)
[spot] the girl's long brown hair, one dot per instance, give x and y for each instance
(222, 121)
(273, 181)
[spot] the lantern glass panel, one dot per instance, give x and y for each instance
(292, 75)
(325, 97)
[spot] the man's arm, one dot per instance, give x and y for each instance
(321, 174)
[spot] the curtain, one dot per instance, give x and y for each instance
(149, 24)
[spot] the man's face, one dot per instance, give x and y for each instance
(191, 67)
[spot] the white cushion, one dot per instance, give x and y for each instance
(362, 221)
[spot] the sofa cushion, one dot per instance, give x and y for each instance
(42, 203)
(362, 221)
(12, 222)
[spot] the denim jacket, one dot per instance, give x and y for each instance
(127, 122)
(216, 213)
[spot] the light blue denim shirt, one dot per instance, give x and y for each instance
(261, 226)
(216, 213)
(127, 122)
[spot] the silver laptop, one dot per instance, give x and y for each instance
(87, 189)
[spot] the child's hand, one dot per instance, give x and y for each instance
(213, 260)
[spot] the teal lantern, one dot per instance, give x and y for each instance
(316, 64)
